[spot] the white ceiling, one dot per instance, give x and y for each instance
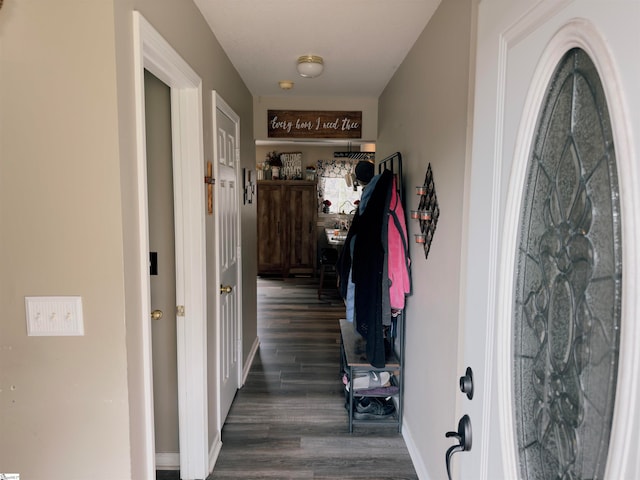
(362, 41)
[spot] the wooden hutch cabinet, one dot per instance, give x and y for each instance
(287, 215)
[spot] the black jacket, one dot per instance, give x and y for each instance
(367, 267)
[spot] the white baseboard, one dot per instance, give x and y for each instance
(414, 452)
(171, 461)
(249, 362)
(214, 451)
(168, 461)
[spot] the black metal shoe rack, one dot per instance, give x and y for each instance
(353, 361)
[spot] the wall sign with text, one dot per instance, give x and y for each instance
(313, 124)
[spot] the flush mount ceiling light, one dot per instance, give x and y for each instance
(285, 84)
(310, 66)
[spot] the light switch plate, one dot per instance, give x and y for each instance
(54, 316)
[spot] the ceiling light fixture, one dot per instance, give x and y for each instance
(310, 66)
(285, 84)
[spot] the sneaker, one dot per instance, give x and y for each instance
(371, 408)
(371, 379)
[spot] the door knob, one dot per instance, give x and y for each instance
(156, 315)
(466, 383)
(226, 288)
(463, 435)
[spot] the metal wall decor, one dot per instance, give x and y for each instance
(248, 185)
(427, 213)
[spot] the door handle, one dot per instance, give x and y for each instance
(156, 315)
(226, 289)
(463, 435)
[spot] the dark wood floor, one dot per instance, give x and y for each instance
(289, 420)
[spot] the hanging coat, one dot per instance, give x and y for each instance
(397, 253)
(366, 264)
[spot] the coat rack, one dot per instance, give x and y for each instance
(428, 211)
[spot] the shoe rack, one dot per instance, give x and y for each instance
(354, 364)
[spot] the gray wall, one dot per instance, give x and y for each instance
(67, 210)
(423, 115)
(71, 407)
(64, 400)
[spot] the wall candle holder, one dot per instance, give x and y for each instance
(427, 212)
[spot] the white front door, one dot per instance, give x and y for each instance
(549, 420)
(227, 199)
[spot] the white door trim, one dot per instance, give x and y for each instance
(153, 53)
(218, 103)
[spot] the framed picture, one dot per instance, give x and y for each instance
(291, 166)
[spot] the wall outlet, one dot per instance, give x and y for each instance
(54, 316)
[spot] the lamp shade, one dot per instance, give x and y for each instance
(310, 66)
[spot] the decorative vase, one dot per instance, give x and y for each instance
(310, 175)
(275, 173)
(325, 209)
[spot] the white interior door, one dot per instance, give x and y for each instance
(520, 44)
(154, 54)
(227, 198)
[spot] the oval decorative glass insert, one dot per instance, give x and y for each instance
(568, 294)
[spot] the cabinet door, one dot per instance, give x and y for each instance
(271, 230)
(302, 214)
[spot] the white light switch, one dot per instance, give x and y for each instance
(54, 316)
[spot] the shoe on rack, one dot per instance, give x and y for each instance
(372, 408)
(371, 379)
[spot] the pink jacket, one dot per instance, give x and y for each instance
(398, 252)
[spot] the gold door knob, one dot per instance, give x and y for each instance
(226, 288)
(156, 315)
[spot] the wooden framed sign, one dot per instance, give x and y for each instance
(291, 165)
(314, 124)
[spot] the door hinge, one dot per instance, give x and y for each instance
(180, 310)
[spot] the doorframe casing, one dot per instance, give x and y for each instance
(579, 33)
(218, 103)
(153, 53)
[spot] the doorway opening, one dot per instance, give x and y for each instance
(154, 54)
